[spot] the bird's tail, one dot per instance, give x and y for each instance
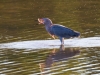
(76, 34)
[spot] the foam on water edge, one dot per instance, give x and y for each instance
(42, 44)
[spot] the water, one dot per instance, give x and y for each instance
(18, 22)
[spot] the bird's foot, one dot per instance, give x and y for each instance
(53, 36)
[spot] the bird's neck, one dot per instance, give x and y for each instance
(48, 24)
(48, 29)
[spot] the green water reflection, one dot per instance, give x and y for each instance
(18, 22)
(17, 17)
(60, 61)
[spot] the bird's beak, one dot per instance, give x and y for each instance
(41, 21)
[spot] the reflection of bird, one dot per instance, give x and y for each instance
(58, 30)
(64, 54)
(59, 55)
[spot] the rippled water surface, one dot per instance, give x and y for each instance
(18, 23)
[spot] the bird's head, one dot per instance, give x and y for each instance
(45, 21)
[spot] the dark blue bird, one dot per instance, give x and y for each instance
(58, 30)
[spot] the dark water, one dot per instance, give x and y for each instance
(18, 22)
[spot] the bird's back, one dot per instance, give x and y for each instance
(62, 31)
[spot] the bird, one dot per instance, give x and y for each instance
(58, 30)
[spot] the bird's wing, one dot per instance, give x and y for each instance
(62, 31)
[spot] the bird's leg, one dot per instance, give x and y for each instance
(52, 36)
(62, 40)
(62, 48)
